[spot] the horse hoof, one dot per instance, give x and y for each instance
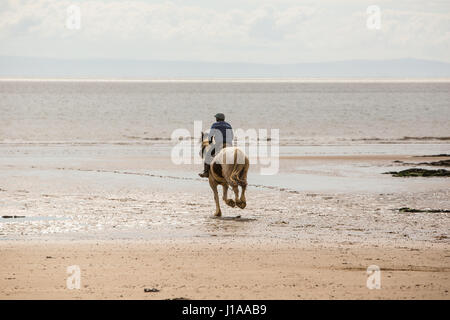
(218, 214)
(231, 203)
(242, 205)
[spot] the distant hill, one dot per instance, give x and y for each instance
(29, 67)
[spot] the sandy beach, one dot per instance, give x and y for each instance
(87, 180)
(130, 225)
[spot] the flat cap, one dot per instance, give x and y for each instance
(220, 116)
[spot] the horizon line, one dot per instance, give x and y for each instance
(226, 62)
(218, 80)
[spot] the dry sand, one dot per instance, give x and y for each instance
(221, 270)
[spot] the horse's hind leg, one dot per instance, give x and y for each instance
(243, 202)
(243, 183)
(216, 197)
(229, 202)
(237, 199)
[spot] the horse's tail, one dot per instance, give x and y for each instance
(235, 178)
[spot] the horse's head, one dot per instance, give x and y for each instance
(204, 141)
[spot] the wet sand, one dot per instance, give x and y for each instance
(132, 220)
(220, 269)
(121, 192)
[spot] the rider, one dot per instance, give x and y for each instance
(222, 132)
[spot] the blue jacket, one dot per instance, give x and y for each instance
(221, 128)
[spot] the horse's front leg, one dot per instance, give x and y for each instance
(229, 202)
(213, 185)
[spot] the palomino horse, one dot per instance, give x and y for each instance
(229, 168)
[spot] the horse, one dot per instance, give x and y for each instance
(228, 168)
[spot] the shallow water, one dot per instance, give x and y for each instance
(100, 196)
(305, 113)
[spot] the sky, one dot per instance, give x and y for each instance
(274, 32)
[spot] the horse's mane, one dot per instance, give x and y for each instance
(204, 143)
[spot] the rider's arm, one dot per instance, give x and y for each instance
(212, 132)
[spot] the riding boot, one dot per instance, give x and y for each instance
(205, 173)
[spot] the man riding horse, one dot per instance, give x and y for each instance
(222, 134)
(225, 165)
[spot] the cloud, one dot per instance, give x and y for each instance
(243, 31)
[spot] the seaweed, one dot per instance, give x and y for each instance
(441, 163)
(434, 155)
(426, 138)
(418, 172)
(406, 209)
(12, 217)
